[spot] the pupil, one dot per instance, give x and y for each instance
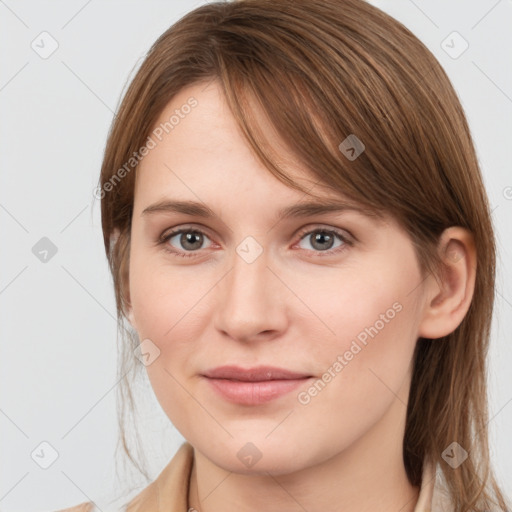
(322, 237)
(189, 239)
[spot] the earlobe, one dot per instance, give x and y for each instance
(448, 295)
(131, 318)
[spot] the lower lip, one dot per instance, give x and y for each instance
(254, 393)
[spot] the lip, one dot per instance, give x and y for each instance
(253, 386)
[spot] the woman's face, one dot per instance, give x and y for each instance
(333, 297)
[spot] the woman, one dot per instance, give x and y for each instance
(299, 236)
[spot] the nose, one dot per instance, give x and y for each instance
(251, 301)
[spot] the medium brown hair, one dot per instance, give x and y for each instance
(322, 70)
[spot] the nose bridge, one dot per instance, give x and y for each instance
(248, 280)
(249, 301)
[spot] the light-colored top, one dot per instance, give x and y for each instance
(169, 491)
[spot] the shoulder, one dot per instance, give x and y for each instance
(169, 491)
(87, 506)
(90, 506)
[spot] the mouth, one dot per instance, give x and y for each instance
(253, 386)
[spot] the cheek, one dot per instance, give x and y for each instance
(366, 307)
(171, 308)
(166, 310)
(362, 373)
(164, 301)
(370, 322)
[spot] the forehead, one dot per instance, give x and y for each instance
(201, 155)
(202, 145)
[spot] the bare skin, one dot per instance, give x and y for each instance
(296, 306)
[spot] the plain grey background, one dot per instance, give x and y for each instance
(64, 67)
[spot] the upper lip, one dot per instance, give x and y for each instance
(256, 374)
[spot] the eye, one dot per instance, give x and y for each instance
(188, 240)
(323, 240)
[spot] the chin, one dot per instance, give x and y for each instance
(242, 456)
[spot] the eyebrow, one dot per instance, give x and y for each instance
(299, 210)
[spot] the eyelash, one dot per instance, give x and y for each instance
(302, 234)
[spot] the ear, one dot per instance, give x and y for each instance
(448, 295)
(123, 272)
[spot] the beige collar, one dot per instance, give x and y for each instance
(428, 481)
(169, 491)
